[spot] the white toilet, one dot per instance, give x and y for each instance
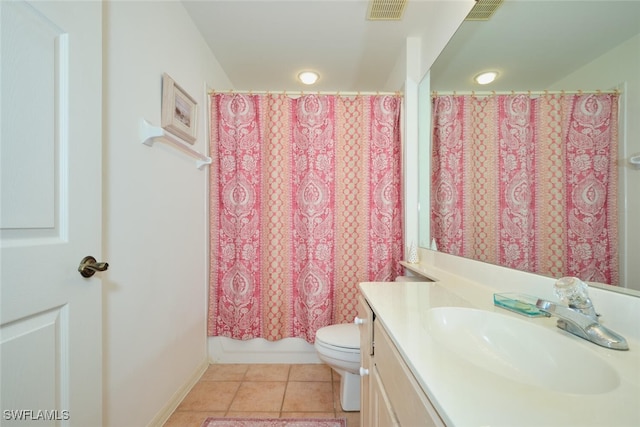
(339, 347)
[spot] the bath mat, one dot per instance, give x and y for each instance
(274, 422)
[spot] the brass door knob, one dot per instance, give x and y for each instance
(88, 266)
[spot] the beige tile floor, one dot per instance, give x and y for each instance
(263, 391)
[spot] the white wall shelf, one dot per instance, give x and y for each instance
(150, 134)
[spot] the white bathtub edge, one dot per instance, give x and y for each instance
(288, 350)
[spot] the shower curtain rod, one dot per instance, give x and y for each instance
(521, 92)
(302, 92)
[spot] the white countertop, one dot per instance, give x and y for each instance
(466, 395)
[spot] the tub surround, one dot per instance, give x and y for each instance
(467, 395)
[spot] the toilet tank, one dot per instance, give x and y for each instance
(412, 279)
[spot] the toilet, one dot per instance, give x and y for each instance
(339, 347)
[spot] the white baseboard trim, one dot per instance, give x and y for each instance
(288, 350)
(161, 417)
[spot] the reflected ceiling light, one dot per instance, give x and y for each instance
(308, 77)
(486, 78)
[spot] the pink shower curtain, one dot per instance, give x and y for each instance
(305, 203)
(528, 183)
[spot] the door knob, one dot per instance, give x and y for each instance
(88, 266)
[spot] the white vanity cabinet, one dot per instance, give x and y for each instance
(418, 378)
(390, 395)
(365, 322)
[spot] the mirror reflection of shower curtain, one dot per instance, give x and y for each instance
(305, 204)
(528, 182)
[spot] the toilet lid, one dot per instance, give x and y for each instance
(345, 335)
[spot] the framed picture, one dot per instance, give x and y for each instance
(178, 110)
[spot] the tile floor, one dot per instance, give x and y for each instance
(263, 391)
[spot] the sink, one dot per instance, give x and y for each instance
(520, 350)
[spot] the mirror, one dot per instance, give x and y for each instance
(556, 45)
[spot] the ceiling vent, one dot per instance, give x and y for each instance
(386, 10)
(483, 9)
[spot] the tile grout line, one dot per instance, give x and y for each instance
(284, 393)
(244, 376)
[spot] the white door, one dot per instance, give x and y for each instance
(50, 212)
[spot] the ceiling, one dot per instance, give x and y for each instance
(533, 44)
(264, 44)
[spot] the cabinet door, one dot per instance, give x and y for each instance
(409, 402)
(381, 411)
(364, 321)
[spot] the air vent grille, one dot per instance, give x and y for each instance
(483, 9)
(386, 10)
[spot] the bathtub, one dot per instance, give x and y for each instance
(258, 350)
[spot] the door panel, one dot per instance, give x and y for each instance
(30, 52)
(50, 212)
(29, 357)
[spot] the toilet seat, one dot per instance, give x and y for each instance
(341, 337)
(346, 354)
(339, 347)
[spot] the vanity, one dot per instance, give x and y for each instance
(390, 394)
(441, 354)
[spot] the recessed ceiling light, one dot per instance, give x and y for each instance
(485, 78)
(308, 77)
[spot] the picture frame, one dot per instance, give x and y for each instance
(179, 110)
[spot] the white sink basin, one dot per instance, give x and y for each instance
(521, 351)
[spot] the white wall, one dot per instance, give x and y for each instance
(620, 67)
(410, 142)
(155, 219)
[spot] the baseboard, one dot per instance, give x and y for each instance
(288, 350)
(161, 418)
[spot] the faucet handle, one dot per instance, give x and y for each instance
(575, 293)
(570, 289)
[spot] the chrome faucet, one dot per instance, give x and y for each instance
(575, 293)
(583, 326)
(579, 317)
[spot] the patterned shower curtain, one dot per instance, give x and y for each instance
(528, 182)
(305, 203)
